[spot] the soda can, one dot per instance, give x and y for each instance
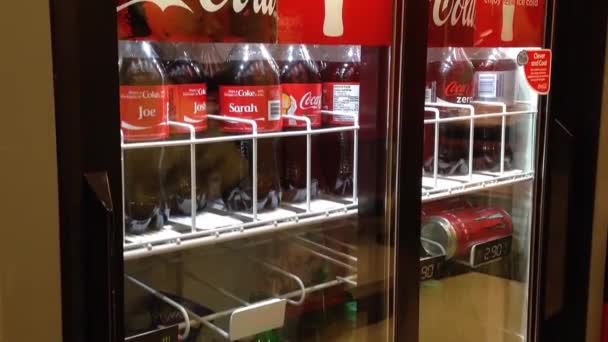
(457, 231)
(445, 205)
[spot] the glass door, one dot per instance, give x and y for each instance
(479, 169)
(257, 176)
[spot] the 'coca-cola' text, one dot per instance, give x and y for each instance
(266, 7)
(454, 12)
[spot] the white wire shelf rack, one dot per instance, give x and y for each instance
(213, 224)
(234, 322)
(437, 186)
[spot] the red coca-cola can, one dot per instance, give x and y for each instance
(445, 205)
(457, 231)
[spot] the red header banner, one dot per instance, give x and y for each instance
(486, 23)
(362, 22)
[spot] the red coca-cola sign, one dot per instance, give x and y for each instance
(452, 22)
(362, 22)
(486, 23)
(198, 20)
(505, 23)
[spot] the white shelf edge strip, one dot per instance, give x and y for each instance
(478, 116)
(428, 195)
(310, 289)
(227, 138)
(244, 225)
(209, 237)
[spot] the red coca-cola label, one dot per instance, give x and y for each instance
(341, 98)
(301, 99)
(259, 103)
(189, 105)
(144, 112)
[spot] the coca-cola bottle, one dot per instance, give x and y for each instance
(212, 157)
(187, 105)
(251, 91)
(341, 88)
(450, 79)
(301, 90)
(255, 21)
(495, 76)
(144, 117)
(213, 67)
(317, 55)
(495, 81)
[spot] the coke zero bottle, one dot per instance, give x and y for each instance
(450, 79)
(251, 91)
(187, 105)
(301, 90)
(495, 76)
(144, 117)
(341, 85)
(495, 81)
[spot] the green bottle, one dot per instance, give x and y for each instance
(267, 336)
(350, 313)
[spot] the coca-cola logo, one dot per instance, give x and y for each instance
(308, 101)
(457, 89)
(265, 7)
(454, 12)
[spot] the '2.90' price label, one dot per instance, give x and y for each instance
(163, 335)
(430, 267)
(490, 251)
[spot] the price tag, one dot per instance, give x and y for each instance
(490, 251)
(430, 267)
(163, 335)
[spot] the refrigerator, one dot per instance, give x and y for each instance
(334, 170)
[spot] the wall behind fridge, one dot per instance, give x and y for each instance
(30, 303)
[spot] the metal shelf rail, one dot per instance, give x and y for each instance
(297, 297)
(436, 186)
(214, 225)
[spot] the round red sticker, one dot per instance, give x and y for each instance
(537, 68)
